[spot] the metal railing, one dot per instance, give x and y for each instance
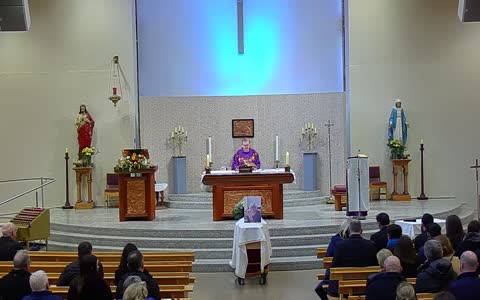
(44, 181)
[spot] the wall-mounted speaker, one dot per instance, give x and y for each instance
(469, 10)
(14, 15)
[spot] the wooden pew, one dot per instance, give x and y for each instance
(321, 252)
(108, 267)
(112, 256)
(166, 291)
(162, 278)
(351, 287)
(353, 273)
(327, 262)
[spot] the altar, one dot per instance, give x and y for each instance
(229, 187)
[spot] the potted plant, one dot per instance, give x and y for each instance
(397, 150)
(85, 157)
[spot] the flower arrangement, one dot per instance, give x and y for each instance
(397, 150)
(85, 157)
(238, 210)
(133, 162)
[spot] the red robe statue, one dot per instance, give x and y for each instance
(84, 123)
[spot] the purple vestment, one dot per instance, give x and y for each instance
(241, 158)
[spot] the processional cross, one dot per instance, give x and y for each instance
(476, 167)
(329, 126)
(240, 26)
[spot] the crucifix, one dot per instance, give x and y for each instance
(329, 126)
(476, 167)
(240, 26)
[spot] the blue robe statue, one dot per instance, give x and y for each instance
(397, 131)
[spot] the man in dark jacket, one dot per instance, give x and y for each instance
(15, 285)
(420, 239)
(352, 252)
(394, 233)
(73, 269)
(383, 286)
(380, 238)
(467, 287)
(135, 268)
(436, 273)
(8, 245)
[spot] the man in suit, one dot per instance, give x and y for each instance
(15, 285)
(383, 286)
(73, 269)
(467, 287)
(420, 239)
(379, 238)
(8, 245)
(352, 252)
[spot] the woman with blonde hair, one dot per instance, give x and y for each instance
(136, 291)
(449, 252)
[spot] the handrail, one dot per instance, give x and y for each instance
(40, 187)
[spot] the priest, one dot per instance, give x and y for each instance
(246, 156)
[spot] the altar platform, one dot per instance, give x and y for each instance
(308, 224)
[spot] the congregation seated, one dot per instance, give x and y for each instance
(471, 241)
(8, 245)
(454, 229)
(73, 269)
(448, 252)
(88, 284)
(122, 267)
(341, 235)
(380, 237)
(383, 285)
(467, 286)
(16, 284)
(405, 291)
(420, 239)
(382, 255)
(394, 233)
(405, 251)
(39, 286)
(135, 266)
(436, 273)
(364, 253)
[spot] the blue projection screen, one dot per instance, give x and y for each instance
(189, 47)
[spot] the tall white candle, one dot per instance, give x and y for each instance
(276, 148)
(207, 162)
(287, 159)
(185, 133)
(421, 141)
(210, 147)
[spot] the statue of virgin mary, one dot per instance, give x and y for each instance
(397, 125)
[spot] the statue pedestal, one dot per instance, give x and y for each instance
(400, 164)
(80, 173)
(179, 174)
(310, 171)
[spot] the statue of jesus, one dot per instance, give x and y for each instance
(397, 124)
(84, 124)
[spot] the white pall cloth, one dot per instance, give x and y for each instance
(160, 187)
(412, 229)
(244, 234)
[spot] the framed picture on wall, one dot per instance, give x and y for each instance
(242, 128)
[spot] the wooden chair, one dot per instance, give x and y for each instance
(376, 183)
(111, 190)
(339, 193)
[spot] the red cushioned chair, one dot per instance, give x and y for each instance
(377, 184)
(112, 188)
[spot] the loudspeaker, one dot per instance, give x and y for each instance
(469, 10)
(14, 15)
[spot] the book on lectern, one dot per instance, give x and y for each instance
(253, 209)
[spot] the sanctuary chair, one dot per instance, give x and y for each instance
(112, 189)
(377, 184)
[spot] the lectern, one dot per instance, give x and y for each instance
(137, 191)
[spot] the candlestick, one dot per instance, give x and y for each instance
(210, 147)
(287, 159)
(67, 192)
(276, 147)
(207, 164)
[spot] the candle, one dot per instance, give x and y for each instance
(173, 134)
(208, 161)
(276, 148)
(175, 130)
(183, 129)
(315, 129)
(287, 159)
(210, 147)
(306, 126)
(185, 133)
(66, 150)
(421, 141)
